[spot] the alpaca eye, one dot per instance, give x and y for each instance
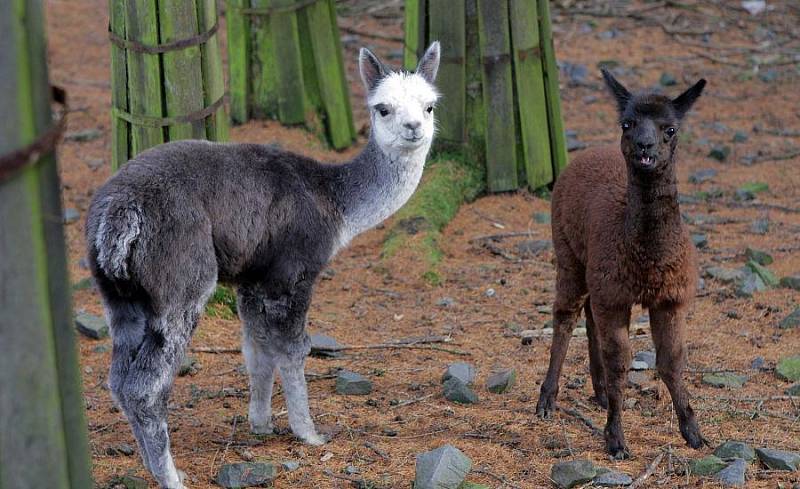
(429, 109)
(626, 125)
(670, 131)
(383, 112)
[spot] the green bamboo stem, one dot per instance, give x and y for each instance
(531, 100)
(264, 65)
(144, 73)
(41, 408)
(558, 145)
(120, 129)
(324, 43)
(238, 26)
(340, 61)
(315, 108)
(498, 94)
(291, 90)
(414, 27)
(475, 110)
(447, 21)
(213, 80)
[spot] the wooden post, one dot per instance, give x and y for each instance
(499, 82)
(167, 81)
(41, 405)
(238, 26)
(296, 68)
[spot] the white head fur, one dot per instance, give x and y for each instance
(401, 104)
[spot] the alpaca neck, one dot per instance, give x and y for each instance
(652, 215)
(374, 185)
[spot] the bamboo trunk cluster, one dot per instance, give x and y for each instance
(285, 62)
(166, 75)
(43, 440)
(499, 81)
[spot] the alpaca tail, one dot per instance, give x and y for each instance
(119, 227)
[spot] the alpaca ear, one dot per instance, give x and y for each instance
(620, 93)
(371, 68)
(684, 101)
(429, 64)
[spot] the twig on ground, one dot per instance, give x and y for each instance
(345, 477)
(409, 347)
(639, 481)
(583, 419)
(499, 478)
(382, 454)
(499, 236)
(760, 206)
(214, 349)
(408, 402)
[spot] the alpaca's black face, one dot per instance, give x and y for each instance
(650, 123)
(649, 133)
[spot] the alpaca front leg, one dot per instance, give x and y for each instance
(261, 369)
(667, 330)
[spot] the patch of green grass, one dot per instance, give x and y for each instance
(448, 182)
(222, 303)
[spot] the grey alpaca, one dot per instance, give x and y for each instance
(182, 216)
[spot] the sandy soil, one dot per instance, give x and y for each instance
(365, 300)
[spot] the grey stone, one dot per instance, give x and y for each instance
(290, 465)
(490, 292)
(534, 246)
(739, 137)
(758, 363)
(759, 256)
(646, 356)
(445, 302)
(793, 390)
(768, 76)
(542, 217)
(71, 215)
(353, 384)
(733, 474)
(502, 381)
(751, 284)
(760, 226)
(351, 470)
(567, 475)
(457, 391)
(724, 379)
(791, 321)
(120, 449)
(189, 366)
(612, 479)
(465, 372)
(708, 465)
(575, 73)
(700, 240)
(725, 275)
(792, 282)
(246, 474)
(735, 449)
(703, 175)
(637, 365)
(95, 163)
(789, 369)
(443, 468)
(325, 346)
(720, 152)
(667, 80)
(764, 273)
(778, 459)
(94, 327)
(639, 378)
(128, 482)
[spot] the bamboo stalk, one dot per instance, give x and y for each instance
(447, 21)
(314, 106)
(213, 81)
(495, 48)
(415, 14)
(558, 145)
(340, 61)
(531, 100)
(144, 73)
(264, 65)
(36, 425)
(290, 87)
(239, 53)
(324, 42)
(475, 110)
(120, 129)
(183, 75)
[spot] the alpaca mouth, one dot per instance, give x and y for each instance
(647, 161)
(414, 139)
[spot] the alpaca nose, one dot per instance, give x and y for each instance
(645, 145)
(412, 125)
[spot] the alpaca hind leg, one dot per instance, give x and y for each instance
(667, 330)
(292, 370)
(145, 392)
(596, 366)
(570, 292)
(260, 362)
(614, 322)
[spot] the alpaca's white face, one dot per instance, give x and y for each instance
(401, 109)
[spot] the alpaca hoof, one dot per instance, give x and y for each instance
(266, 429)
(314, 439)
(601, 400)
(545, 407)
(695, 440)
(617, 450)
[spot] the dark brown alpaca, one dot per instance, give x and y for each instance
(619, 241)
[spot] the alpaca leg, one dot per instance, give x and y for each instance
(570, 291)
(596, 366)
(145, 391)
(260, 363)
(296, 392)
(667, 330)
(614, 323)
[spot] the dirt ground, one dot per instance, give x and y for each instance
(364, 300)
